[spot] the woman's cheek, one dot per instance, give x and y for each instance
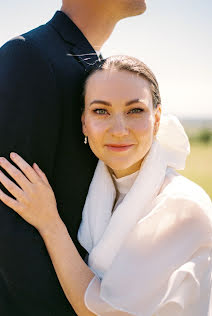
(141, 127)
(96, 132)
(95, 128)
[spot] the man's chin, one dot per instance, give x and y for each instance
(137, 10)
(141, 9)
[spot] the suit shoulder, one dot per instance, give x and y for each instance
(17, 51)
(33, 43)
(18, 43)
(24, 71)
(19, 56)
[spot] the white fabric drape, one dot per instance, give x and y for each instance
(153, 255)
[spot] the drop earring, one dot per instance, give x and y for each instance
(86, 140)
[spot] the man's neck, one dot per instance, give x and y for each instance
(96, 25)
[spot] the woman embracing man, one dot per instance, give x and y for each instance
(146, 229)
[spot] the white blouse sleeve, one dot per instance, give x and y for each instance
(95, 304)
(163, 268)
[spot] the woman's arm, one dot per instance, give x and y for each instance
(73, 273)
(35, 202)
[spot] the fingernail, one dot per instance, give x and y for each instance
(13, 155)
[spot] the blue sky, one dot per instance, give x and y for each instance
(172, 37)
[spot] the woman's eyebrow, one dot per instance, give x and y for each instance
(134, 101)
(101, 102)
(109, 104)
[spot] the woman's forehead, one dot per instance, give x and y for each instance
(113, 82)
(116, 75)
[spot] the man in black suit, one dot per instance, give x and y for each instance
(41, 78)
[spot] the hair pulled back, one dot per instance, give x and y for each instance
(131, 64)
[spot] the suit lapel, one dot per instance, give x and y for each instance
(81, 49)
(88, 60)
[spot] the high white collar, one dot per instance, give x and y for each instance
(124, 184)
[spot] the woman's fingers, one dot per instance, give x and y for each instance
(33, 174)
(41, 173)
(15, 173)
(25, 167)
(11, 187)
(36, 204)
(15, 205)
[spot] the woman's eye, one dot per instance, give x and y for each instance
(100, 111)
(136, 110)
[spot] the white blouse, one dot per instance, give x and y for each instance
(152, 253)
(123, 186)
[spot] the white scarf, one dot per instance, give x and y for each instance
(102, 234)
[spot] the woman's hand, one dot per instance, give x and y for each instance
(35, 200)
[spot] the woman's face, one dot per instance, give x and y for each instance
(119, 119)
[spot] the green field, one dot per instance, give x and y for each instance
(199, 166)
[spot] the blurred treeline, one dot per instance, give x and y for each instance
(202, 136)
(199, 162)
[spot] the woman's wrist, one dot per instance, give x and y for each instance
(53, 227)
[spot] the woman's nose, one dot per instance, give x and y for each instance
(119, 127)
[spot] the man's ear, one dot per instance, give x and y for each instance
(83, 124)
(157, 118)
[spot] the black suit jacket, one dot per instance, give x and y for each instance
(41, 79)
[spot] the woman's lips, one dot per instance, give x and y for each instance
(118, 147)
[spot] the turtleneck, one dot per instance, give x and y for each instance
(123, 186)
